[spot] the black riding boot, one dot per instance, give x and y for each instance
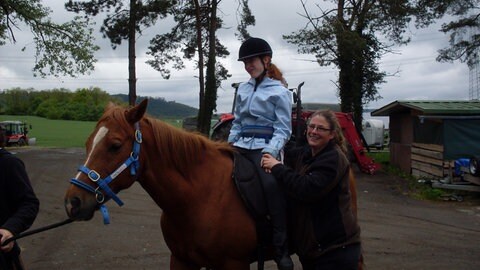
(277, 209)
(280, 243)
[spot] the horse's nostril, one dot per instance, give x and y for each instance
(72, 206)
(75, 202)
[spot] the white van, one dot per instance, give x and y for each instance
(373, 131)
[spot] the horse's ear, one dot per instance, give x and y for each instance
(136, 113)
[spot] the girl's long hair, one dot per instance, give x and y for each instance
(273, 72)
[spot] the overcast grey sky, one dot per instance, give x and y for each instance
(419, 77)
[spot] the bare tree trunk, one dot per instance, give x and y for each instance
(132, 79)
(208, 99)
(201, 76)
(211, 82)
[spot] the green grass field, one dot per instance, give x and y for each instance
(61, 133)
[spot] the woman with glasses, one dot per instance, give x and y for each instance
(326, 234)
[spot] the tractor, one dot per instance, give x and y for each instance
(300, 114)
(16, 133)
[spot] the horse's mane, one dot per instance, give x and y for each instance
(181, 148)
(176, 146)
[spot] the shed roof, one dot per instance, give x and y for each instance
(431, 107)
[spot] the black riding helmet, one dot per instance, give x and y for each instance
(254, 47)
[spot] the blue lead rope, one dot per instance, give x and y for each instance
(106, 216)
(132, 162)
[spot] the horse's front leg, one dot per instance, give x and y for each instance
(177, 264)
(236, 265)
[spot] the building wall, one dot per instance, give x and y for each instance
(401, 139)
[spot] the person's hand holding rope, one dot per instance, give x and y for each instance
(4, 235)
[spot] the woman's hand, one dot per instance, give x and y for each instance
(268, 161)
(4, 235)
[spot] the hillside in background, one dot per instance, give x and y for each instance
(159, 107)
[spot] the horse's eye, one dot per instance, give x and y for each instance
(115, 147)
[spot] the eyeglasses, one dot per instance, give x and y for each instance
(318, 128)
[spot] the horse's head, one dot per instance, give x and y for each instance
(112, 161)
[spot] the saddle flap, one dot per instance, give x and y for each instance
(249, 186)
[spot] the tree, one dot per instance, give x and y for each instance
(246, 19)
(123, 23)
(16, 101)
(464, 30)
(347, 36)
(83, 104)
(60, 49)
(195, 36)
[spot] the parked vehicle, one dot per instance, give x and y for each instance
(16, 132)
(373, 130)
(300, 115)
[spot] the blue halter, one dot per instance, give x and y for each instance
(102, 184)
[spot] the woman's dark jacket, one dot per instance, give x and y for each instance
(319, 194)
(18, 203)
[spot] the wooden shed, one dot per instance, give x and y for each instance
(426, 137)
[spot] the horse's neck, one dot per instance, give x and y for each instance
(175, 190)
(165, 187)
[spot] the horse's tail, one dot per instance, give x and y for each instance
(354, 205)
(361, 261)
(353, 192)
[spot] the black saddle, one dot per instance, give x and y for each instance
(249, 186)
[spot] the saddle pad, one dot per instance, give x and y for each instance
(249, 186)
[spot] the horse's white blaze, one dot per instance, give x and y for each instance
(101, 133)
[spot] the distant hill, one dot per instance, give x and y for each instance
(159, 107)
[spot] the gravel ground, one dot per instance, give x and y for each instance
(398, 232)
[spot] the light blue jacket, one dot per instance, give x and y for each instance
(269, 106)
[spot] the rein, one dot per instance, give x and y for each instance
(41, 229)
(102, 183)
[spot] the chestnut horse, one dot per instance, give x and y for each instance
(204, 221)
